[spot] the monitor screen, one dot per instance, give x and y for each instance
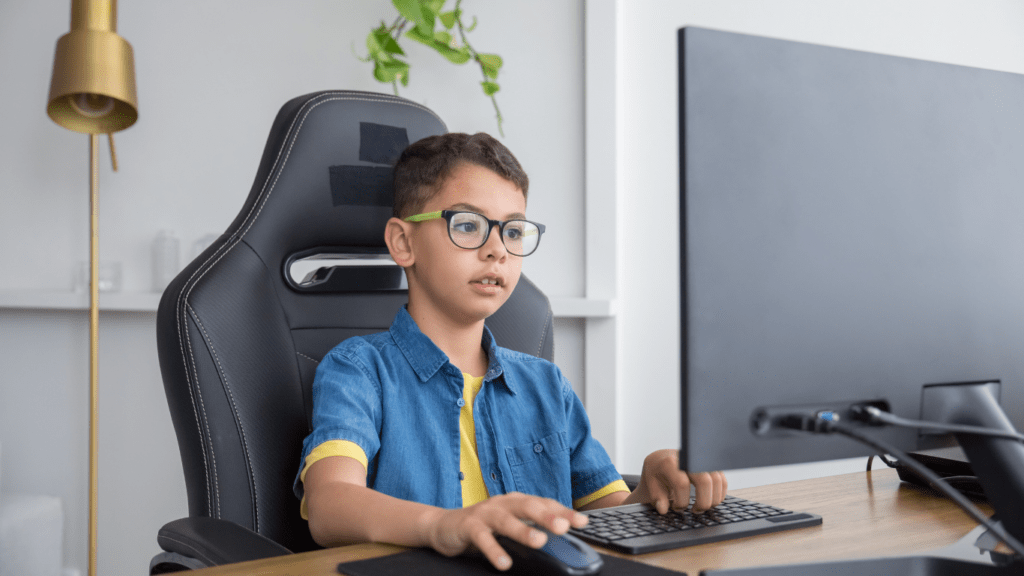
(852, 229)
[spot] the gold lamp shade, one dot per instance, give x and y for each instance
(93, 85)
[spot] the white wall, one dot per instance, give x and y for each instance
(980, 33)
(211, 76)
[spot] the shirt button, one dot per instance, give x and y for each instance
(462, 476)
(494, 476)
(538, 448)
(460, 402)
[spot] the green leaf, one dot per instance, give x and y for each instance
(381, 44)
(396, 66)
(412, 11)
(454, 55)
(382, 74)
(390, 71)
(445, 38)
(490, 87)
(490, 63)
(490, 60)
(448, 19)
(471, 26)
(429, 20)
(373, 44)
(418, 36)
(417, 12)
(389, 44)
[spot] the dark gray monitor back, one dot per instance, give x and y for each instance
(852, 229)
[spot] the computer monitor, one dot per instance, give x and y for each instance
(852, 230)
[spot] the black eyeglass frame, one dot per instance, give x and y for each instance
(449, 214)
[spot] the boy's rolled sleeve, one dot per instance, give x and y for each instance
(591, 467)
(346, 405)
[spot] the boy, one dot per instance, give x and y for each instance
(432, 435)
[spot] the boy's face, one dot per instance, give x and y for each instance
(464, 286)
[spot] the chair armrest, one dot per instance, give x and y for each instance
(199, 541)
(631, 480)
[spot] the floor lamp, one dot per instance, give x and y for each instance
(93, 91)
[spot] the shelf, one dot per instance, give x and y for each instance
(582, 308)
(148, 301)
(57, 300)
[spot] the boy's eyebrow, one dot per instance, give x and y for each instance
(478, 210)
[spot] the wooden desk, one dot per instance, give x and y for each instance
(865, 515)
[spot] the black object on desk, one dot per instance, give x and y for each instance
(564, 555)
(949, 463)
(426, 562)
(639, 528)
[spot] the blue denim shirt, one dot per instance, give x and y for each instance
(397, 396)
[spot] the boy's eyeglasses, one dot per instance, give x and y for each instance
(470, 230)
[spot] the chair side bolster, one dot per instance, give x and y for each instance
(213, 542)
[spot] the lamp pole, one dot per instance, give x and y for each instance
(92, 90)
(94, 342)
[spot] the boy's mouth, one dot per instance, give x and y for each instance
(489, 281)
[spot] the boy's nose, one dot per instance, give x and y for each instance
(494, 245)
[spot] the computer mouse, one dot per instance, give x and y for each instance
(564, 555)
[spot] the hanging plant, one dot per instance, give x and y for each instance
(429, 24)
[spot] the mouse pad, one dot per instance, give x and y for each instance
(426, 562)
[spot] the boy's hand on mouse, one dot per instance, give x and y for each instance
(452, 532)
(662, 481)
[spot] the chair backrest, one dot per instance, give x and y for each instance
(239, 341)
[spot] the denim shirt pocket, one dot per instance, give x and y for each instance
(541, 467)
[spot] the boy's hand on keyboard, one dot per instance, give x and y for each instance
(661, 481)
(452, 532)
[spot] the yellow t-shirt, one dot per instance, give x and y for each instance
(473, 488)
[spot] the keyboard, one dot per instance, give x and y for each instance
(638, 528)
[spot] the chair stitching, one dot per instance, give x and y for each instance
(180, 305)
(308, 358)
(540, 348)
(238, 418)
(213, 492)
(214, 258)
(192, 284)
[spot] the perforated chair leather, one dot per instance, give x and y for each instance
(239, 344)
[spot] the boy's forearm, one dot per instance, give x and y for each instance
(348, 513)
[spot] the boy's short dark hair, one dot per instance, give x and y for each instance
(424, 165)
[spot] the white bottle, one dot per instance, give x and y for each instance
(165, 259)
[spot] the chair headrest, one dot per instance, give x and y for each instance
(324, 181)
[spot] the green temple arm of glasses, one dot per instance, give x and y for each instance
(424, 216)
(435, 215)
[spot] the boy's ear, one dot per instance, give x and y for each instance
(397, 237)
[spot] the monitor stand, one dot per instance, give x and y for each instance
(999, 465)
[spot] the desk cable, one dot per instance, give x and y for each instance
(874, 415)
(827, 424)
